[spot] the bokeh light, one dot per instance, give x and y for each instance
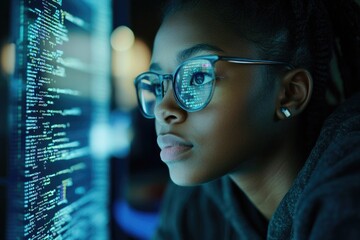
(122, 38)
(127, 62)
(7, 58)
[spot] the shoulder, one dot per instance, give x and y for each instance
(329, 206)
(337, 151)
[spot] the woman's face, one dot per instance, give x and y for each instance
(232, 133)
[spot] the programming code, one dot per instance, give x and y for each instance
(59, 97)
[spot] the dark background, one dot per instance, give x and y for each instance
(145, 174)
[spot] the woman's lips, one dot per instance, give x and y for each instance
(172, 147)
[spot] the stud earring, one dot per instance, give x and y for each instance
(286, 112)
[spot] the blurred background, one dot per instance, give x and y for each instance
(135, 208)
(137, 176)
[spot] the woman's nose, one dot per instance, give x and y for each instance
(167, 111)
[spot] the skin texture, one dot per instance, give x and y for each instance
(241, 133)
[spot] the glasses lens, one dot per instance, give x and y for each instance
(194, 84)
(148, 91)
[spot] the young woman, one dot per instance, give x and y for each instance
(239, 91)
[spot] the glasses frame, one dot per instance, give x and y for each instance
(212, 59)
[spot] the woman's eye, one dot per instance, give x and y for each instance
(200, 78)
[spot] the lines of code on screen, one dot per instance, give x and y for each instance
(62, 190)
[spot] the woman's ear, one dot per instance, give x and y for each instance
(295, 93)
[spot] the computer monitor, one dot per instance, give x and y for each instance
(58, 104)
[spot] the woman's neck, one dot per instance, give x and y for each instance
(267, 186)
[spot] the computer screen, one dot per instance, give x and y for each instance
(58, 107)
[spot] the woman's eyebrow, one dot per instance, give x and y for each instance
(189, 52)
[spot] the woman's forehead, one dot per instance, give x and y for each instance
(183, 30)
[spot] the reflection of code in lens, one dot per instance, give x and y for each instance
(191, 92)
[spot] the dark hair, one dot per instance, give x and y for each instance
(311, 34)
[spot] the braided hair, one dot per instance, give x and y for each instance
(310, 34)
(333, 30)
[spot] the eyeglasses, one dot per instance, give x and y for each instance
(193, 83)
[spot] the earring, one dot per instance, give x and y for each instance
(286, 112)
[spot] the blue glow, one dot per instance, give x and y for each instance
(136, 223)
